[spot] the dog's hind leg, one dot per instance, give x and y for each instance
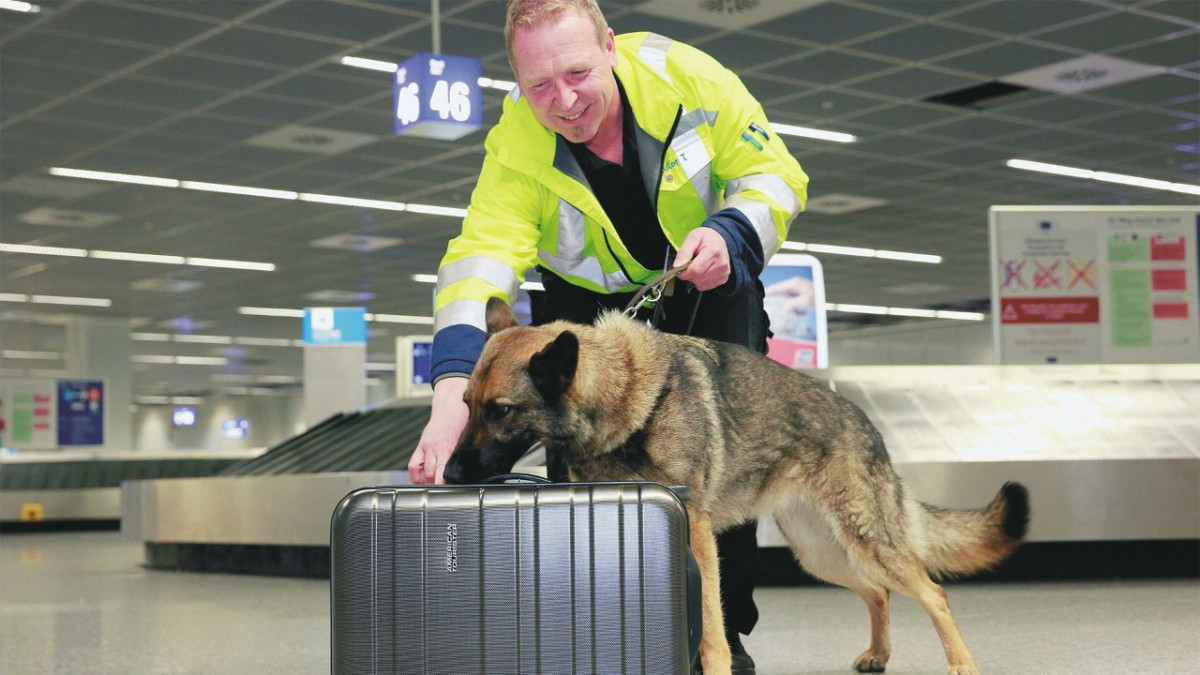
(912, 580)
(714, 650)
(818, 551)
(875, 659)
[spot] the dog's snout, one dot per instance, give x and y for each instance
(453, 472)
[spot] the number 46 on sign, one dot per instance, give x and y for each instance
(438, 96)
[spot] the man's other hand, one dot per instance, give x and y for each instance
(447, 419)
(705, 248)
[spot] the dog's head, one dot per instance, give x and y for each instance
(516, 396)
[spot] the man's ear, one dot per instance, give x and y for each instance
(553, 368)
(499, 316)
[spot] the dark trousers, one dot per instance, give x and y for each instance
(739, 319)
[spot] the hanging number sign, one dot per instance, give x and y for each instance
(438, 96)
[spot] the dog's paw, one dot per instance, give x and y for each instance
(871, 662)
(964, 669)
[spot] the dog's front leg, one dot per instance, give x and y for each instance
(714, 650)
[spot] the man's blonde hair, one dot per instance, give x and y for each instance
(525, 13)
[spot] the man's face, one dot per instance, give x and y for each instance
(566, 76)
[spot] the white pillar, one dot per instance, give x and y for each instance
(335, 380)
(101, 348)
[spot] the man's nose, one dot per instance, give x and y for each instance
(566, 97)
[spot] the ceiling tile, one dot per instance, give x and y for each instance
(1110, 33)
(923, 41)
(831, 23)
(1028, 17)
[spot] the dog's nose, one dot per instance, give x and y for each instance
(453, 471)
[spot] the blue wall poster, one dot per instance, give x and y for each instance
(80, 412)
(335, 326)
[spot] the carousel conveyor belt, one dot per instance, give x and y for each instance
(1119, 473)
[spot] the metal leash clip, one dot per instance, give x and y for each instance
(653, 291)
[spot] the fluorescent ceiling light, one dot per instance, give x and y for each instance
(862, 252)
(262, 192)
(272, 311)
(201, 360)
(389, 67)
(400, 318)
(239, 190)
(204, 339)
(905, 311)
(532, 286)
(819, 134)
(44, 250)
(56, 300)
(138, 257)
(14, 6)
(437, 210)
(918, 313)
(369, 64)
(1103, 176)
(163, 359)
(425, 278)
(502, 85)
(842, 250)
(26, 354)
(231, 264)
(909, 257)
(964, 316)
(263, 342)
(352, 201)
(150, 337)
(114, 177)
(858, 309)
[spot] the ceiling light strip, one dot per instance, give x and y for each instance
(56, 300)
(910, 312)
(861, 252)
(1102, 176)
(389, 67)
(807, 132)
(24, 7)
(136, 257)
(387, 205)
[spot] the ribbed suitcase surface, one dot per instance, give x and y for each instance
(530, 579)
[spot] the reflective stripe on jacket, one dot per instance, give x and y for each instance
(704, 145)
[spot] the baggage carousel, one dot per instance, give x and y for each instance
(1110, 454)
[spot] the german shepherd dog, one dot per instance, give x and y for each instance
(622, 401)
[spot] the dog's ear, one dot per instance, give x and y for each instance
(553, 368)
(499, 316)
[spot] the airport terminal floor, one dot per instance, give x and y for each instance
(82, 602)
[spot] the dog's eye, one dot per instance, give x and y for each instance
(498, 411)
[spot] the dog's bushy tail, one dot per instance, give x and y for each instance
(962, 542)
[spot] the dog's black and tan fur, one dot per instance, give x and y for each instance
(620, 401)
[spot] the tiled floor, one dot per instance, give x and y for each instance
(82, 603)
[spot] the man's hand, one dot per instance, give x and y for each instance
(705, 248)
(447, 419)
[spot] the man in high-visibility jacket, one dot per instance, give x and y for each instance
(615, 158)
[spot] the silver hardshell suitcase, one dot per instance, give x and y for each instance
(513, 578)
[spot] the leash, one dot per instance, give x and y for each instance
(653, 291)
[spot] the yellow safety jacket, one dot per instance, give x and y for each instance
(704, 145)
